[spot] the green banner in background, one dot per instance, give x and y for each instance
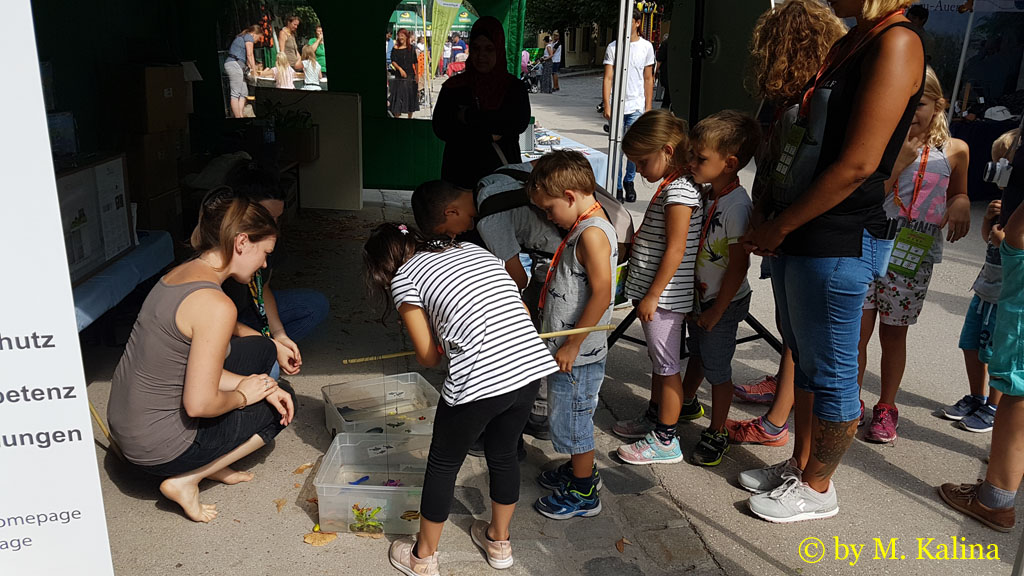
(441, 21)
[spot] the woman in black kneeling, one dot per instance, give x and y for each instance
(189, 398)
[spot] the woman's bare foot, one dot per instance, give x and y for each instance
(229, 475)
(186, 494)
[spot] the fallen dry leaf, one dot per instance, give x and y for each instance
(313, 500)
(303, 468)
(280, 504)
(319, 538)
(621, 544)
(297, 485)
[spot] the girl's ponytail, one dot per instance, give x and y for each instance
(938, 129)
(389, 246)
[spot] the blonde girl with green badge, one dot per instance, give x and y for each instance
(927, 198)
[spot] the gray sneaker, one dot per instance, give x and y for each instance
(767, 479)
(963, 407)
(634, 429)
(795, 501)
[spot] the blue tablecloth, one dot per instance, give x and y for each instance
(598, 160)
(110, 285)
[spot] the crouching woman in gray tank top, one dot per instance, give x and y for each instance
(189, 397)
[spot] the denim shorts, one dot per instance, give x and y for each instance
(979, 324)
(572, 399)
(716, 348)
(819, 302)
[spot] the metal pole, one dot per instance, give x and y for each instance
(697, 59)
(427, 73)
(960, 68)
(611, 179)
(1018, 564)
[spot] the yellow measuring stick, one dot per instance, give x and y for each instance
(570, 332)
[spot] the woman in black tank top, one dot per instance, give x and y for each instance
(828, 238)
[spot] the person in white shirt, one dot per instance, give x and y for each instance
(639, 93)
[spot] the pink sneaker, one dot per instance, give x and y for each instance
(884, 422)
(499, 552)
(758, 391)
(401, 557)
(752, 432)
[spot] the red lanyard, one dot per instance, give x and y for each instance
(826, 66)
(664, 184)
(708, 216)
(558, 253)
(918, 180)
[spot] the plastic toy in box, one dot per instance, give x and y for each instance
(372, 483)
(399, 403)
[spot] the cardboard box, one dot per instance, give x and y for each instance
(153, 163)
(158, 99)
(161, 212)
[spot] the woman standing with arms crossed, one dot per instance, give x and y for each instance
(405, 98)
(829, 237)
(187, 397)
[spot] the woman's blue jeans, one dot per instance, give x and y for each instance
(820, 303)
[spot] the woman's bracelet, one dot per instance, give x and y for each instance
(245, 399)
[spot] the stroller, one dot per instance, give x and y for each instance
(532, 77)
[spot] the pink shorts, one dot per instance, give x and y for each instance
(664, 335)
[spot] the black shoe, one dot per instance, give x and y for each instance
(537, 428)
(618, 195)
(630, 191)
(711, 448)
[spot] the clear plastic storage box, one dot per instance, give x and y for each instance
(372, 483)
(402, 403)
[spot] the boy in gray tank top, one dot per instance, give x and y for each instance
(577, 293)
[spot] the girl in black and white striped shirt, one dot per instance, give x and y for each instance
(457, 299)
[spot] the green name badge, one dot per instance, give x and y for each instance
(794, 139)
(908, 251)
(620, 283)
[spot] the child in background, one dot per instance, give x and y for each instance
(481, 326)
(577, 293)
(310, 69)
(992, 501)
(788, 45)
(660, 281)
(927, 191)
(283, 73)
(723, 144)
(975, 411)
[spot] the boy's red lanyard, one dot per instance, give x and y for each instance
(664, 184)
(827, 66)
(558, 253)
(709, 215)
(918, 180)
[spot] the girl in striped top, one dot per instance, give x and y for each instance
(456, 300)
(661, 280)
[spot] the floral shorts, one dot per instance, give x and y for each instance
(899, 299)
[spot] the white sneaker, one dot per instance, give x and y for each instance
(769, 478)
(795, 501)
